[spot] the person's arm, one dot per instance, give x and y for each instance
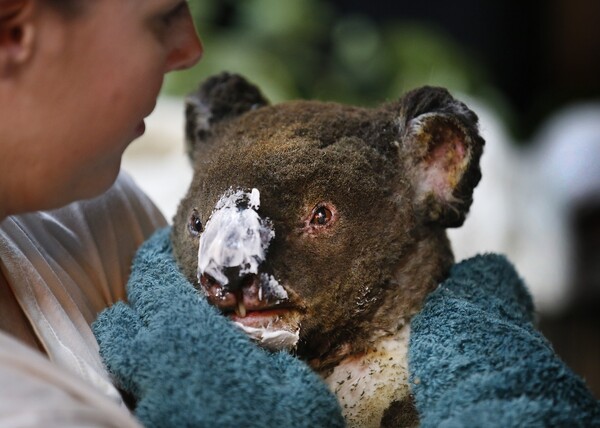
(37, 393)
(476, 359)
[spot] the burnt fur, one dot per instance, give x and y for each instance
(370, 271)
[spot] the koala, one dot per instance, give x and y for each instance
(320, 228)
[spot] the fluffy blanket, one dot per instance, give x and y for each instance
(188, 366)
(475, 357)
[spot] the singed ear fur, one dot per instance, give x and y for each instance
(219, 98)
(441, 137)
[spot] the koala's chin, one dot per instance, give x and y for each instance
(319, 228)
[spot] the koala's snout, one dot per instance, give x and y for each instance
(235, 240)
(231, 253)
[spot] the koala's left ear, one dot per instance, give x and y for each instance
(441, 139)
(218, 98)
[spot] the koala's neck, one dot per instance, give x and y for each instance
(369, 373)
(415, 276)
(372, 388)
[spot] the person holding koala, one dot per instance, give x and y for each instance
(77, 78)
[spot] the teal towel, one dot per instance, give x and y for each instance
(188, 366)
(476, 359)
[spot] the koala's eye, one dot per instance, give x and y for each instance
(195, 224)
(321, 216)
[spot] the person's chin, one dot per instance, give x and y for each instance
(97, 182)
(105, 179)
(59, 190)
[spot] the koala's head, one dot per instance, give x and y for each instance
(318, 226)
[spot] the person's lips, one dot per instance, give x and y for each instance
(140, 129)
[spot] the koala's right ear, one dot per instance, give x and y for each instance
(440, 136)
(218, 98)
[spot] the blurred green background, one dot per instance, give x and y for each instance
(301, 48)
(525, 58)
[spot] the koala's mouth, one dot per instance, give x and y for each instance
(261, 309)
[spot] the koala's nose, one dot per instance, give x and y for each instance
(235, 240)
(237, 280)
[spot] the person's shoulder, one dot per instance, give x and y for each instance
(98, 236)
(123, 203)
(117, 221)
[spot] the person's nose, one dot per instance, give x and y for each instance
(187, 48)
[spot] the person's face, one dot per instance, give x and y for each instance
(91, 81)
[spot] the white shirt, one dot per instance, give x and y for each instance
(63, 267)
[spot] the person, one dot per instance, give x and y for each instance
(77, 79)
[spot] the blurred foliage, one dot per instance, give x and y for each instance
(303, 49)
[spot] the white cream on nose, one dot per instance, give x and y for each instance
(234, 236)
